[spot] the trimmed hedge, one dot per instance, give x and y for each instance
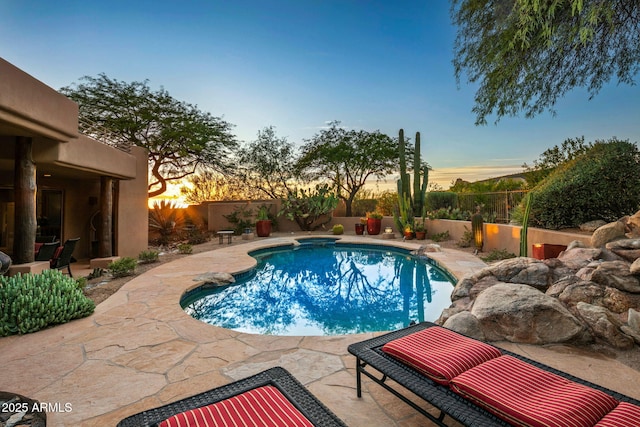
(603, 183)
(30, 302)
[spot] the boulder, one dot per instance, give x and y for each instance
(581, 291)
(462, 288)
(618, 301)
(629, 249)
(559, 286)
(218, 279)
(607, 233)
(575, 244)
(465, 323)
(624, 244)
(633, 319)
(604, 325)
(592, 226)
(464, 285)
(631, 333)
(633, 225)
(577, 258)
(528, 271)
(481, 285)
(520, 313)
(616, 274)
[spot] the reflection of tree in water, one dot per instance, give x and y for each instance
(337, 291)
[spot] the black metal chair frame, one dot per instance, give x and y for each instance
(46, 239)
(64, 259)
(46, 251)
(291, 388)
(369, 353)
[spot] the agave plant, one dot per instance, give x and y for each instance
(167, 219)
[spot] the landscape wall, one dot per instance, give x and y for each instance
(496, 236)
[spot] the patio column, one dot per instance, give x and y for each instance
(25, 201)
(106, 210)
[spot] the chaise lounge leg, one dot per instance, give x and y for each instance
(360, 369)
(358, 378)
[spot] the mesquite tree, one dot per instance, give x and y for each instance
(525, 54)
(178, 136)
(348, 158)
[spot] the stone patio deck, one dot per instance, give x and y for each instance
(140, 350)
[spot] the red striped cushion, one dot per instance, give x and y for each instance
(625, 415)
(525, 395)
(264, 406)
(440, 353)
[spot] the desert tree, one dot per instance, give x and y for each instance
(348, 158)
(268, 164)
(178, 136)
(526, 54)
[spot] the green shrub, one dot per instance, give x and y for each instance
(361, 206)
(441, 237)
(147, 257)
(242, 217)
(30, 302)
(603, 183)
(185, 248)
(467, 238)
(123, 267)
(81, 282)
(441, 200)
(449, 213)
(497, 255)
(196, 236)
(338, 229)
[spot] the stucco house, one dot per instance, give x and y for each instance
(55, 181)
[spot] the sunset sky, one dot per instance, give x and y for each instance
(299, 64)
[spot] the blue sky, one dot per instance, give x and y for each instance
(298, 64)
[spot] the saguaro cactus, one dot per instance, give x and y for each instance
(412, 204)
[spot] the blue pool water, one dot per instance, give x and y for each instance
(326, 289)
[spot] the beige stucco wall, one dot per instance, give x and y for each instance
(132, 229)
(86, 154)
(502, 236)
(28, 107)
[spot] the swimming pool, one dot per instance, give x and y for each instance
(326, 288)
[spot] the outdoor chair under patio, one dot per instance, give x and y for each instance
(270, 398)
(481, 385)
(46, 251)
(62, 256)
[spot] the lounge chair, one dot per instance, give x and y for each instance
(463, 383)
(62, 256)
(46, 251)
(274, 392)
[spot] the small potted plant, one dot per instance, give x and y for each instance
(360, 226)
(374, 223)
(421, 231)
(408, 232)
(263, 223)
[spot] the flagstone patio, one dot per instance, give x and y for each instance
(140, 350)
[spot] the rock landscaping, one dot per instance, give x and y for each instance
(586, 295)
